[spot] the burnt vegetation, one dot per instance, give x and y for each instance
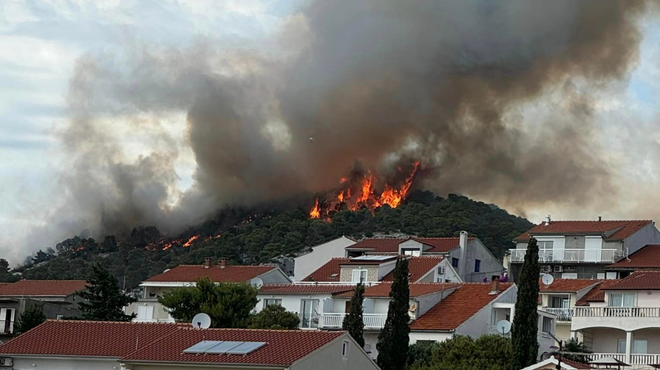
(244, 237)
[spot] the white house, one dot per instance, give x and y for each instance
(622, 320)
(469, 256)
(319, 255)
(561, 297)
(582, 249)
(148, 309)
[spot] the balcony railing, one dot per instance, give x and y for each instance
(563, 314)
(569, 255)
(617, 312)
(635, 358)
(335, 320)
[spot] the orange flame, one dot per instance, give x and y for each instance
(190, 241)
(340, 197)
(315, 212)
(167, 246)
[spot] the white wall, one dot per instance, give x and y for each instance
(291, 302)
(647, 235)
(476, 250)
(65, 363)
(319, 256)
(275, 276)
(330, 357)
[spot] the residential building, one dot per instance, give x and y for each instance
(561, 297)
(93, 345)
(646, 258)
(58, 298)
(64, 345)
(582, 249)
(147, 308)
(552, 362)
(371, 269)
(622, 319)
(469, 256)
(319, 255)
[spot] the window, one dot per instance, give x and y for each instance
(309, 315)
(268, 302)
(145, 313)
(639, 346)
(569, 275)
(6, 320)
(545, 245)
(359, 276)
(345, 348)
(622, 300)
(547, 325)
(412, 252)
(477, 265)
(454, 262)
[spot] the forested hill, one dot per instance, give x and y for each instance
(245, 238)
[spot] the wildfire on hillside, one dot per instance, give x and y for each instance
(163, 244)
(361, 190)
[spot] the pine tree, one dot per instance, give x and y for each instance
(525, 322)
(353, 322)
(103, 300)
(30, 318)
(393, 338)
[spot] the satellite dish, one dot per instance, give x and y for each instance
(412, 308)
(547, 279)
(503, 327)
(257, 282)
(201, 321)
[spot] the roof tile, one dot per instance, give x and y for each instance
(304, 289)
(648, 280)
(626, 228)
(596, 294)
(42, 288)
(418, 267)
(645, 258)
(567, 285)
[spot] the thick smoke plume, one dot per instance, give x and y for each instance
(368, 81)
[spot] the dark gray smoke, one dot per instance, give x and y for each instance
(448, 82)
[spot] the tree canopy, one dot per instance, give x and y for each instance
(488, 352)
(228, 304)
(274, 317)
(354, 321)
(30, 318)
(102, 298)
(525, 322)
(394, 338)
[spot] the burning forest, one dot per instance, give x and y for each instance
(362, 189)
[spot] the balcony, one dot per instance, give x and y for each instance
(570, 255)
(623, 318)
(335, 320)
(563, 314)
(635, 358)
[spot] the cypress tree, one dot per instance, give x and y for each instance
(525, 322)
(393, 338)
(103, 300)
(353, 322)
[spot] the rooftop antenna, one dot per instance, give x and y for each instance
(201, 321)
(547, 280)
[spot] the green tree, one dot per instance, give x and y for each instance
(274, 317)
(575, 346)
(353, 322)
(525, 323)
(394, 338)
(421, 353)
(489, 352)
(103, 300)
(30, 318)
(228, 304)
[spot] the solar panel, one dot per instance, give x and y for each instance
(202, 346)
(372, 258)
(246, 347)
(223, 347)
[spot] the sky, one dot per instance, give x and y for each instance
(41, 43)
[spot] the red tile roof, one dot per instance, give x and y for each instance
(391, 245)
(575, 364)
(326, 272)
(622, 229)
(382, 290)
(454, 310)
(284, 347)
(86, 338)
(596, 294)
(647, 280)
(417, 267)
(42, 288)
(645, 258)
(567, 285)
(192, 273)
(304, 289)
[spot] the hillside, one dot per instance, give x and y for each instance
(245, 238)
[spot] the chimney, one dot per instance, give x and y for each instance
(495, 286)
(600, 218)
(462, 263)
(547, 220)
(207, 262)
(223, 263)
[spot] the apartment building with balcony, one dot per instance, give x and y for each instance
(148, 309)
(561, 297)
(622, 320)
(58, 298)
(582, 249)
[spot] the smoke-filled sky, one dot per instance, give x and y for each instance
(119, 113)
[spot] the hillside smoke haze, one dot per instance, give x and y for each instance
(340, 83)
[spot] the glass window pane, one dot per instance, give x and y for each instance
(639, 346)
(629, 300)
(616, 300)
(622, 346)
